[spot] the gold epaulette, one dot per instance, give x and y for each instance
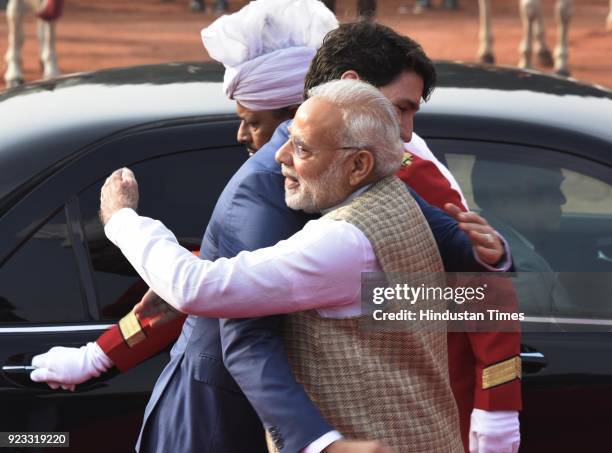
(131, 330)
(501, 372)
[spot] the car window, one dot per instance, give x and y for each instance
(178, 189)
(555, 211)
(40, 281)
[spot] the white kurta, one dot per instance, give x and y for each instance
(319, 267)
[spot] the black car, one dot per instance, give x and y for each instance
(505, 134)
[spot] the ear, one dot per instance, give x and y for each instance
(350, 75)
(361, 167)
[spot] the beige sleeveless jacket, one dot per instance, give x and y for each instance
(391, 386)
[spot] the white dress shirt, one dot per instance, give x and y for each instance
(322, 442)
(418, 147)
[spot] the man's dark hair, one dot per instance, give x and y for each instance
(376, 52)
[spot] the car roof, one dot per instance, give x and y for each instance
(44, 123)
(48, 121)
(520, 96)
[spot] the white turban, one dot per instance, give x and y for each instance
(266, 49)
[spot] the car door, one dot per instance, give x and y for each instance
(555, 210)
(62, 283)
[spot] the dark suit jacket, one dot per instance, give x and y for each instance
(196, 404)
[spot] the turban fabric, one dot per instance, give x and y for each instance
(266, 49)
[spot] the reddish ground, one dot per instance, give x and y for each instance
(101, 34)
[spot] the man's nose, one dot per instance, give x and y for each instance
(243, 135)
(284, 155)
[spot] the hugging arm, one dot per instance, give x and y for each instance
(253, 349)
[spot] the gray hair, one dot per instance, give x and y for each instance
(370, 121)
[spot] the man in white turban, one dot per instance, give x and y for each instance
(266, 49)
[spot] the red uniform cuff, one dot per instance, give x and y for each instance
(132, 340)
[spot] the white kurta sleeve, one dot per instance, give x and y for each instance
(318, 267)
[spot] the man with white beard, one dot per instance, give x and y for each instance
(344, 148)
(248, 82)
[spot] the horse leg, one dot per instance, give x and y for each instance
(14, 15)
(485, 35)
(563, 11)
(544, 54)
(48, 57)
(530, 10)
(40, 34)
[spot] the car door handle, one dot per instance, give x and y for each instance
(18, 368)
(533, 361)
(17, 375)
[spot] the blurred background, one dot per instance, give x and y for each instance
(94, 34)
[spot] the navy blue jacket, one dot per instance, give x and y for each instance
(197, 405)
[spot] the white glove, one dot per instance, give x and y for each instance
(494, 432)
(66, 367)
